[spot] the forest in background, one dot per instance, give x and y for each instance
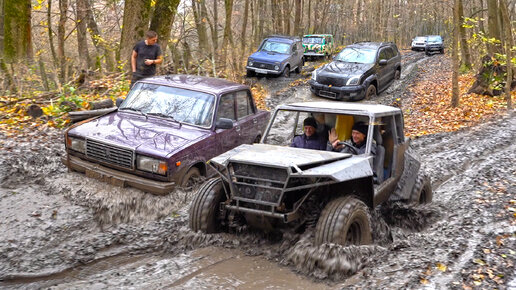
(54, 51)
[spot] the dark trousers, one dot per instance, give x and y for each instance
(136, 77)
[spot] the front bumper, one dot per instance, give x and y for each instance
(263, 71)
(418, 47)
(345, 93)
(116, 177)
(321, 53)
(433, 48)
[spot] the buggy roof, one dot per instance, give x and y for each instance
(342, 108)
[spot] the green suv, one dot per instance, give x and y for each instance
(318, 45)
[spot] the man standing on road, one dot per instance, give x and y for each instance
(146, 55)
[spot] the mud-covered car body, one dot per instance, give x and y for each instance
(166, 128)
(318, 45)
(418, 43)
(275, 181)
(434, 44)
(359, 71)
(277, 55)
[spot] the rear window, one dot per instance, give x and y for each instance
(313, 40)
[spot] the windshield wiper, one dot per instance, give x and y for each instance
(160, 114)
(134, 110)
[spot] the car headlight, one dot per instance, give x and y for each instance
(250, 62)
(353, 81)
(276, 67)
(151, 165)
(76, 144)
(314, 75)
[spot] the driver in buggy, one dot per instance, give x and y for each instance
(356, 145)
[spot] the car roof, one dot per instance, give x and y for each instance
(369, 44)
(197, 83)
(342, 108)
(316, 35)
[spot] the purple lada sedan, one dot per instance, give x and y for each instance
(164, 132)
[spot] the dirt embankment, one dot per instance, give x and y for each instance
(65, 229)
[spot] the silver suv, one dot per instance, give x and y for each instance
(434, 44)
(418, 43)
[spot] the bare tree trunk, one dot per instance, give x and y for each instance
(82, 41)
(455, 55)
(466, 57)
(244, 27)
(100, 44)
(286, 17)
(297, 17)
(135, 24)
(63, 9)
(214, 28)
(508, 45)
(228, 35)
(164, 14)
(493, 25)
(17, 33)
(51, 33)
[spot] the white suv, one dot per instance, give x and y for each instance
(418, 43)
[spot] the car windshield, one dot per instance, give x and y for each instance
(434, 39)
(279, 47)
(357, 55)
(181, 105)
(313, 40)
(420, 38)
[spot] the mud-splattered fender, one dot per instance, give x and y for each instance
(352, 168)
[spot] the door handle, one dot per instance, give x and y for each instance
(237, 128)
(255, 121)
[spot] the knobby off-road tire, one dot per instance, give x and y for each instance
(204, 210)
(422, 190)
(344, 221)
(397, 74)
(250, 73)
(191, 177)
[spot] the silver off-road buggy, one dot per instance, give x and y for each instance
(271, 185)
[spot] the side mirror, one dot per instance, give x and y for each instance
(119, 102)
(224, 123)
(382, 62)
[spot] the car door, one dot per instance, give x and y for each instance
(246, 117)
(227, 138)
(385, 72)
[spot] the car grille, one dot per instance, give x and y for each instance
(263, 65)
(258, 184)
(107, 153)
(337, 82)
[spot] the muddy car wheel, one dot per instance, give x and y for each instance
(397, 75)
(344, 221)
(370, 92)
(204, 210)
(286, 72)
(250, 73)
(191, 178)
(422, 190)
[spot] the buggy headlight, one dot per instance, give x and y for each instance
(151, 165)
(353, 81)
(76, 144)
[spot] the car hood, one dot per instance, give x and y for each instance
(302, 162)
(154, 136)
(268, 57)
(344, 69)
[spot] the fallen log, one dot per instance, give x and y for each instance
(83, 115)
(107, 103)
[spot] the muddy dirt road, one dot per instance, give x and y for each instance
(66, 231)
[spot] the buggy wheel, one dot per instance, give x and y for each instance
(422, 190)
(204, 211)
(344, 221)
(370, 92)
(191, 177)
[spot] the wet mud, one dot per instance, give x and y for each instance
(63, 230)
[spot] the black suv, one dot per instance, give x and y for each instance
(359, 71)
